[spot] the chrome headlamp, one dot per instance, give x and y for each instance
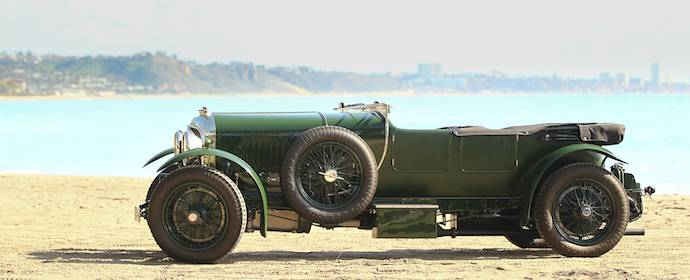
(201, 132)
(191, 141)
(204, 126)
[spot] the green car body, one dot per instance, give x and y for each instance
(487, 177)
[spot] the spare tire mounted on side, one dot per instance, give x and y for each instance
(329, 175)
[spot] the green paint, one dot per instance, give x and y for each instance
(538, 170)
(478, 175)
(158, 156)
(405, 221)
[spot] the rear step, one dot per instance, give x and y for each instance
(405, 221)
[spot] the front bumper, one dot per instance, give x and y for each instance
(140, 211)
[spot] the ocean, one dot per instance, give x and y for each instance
(116, 136)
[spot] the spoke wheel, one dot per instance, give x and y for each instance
(197, 214)
(581, 210)
(330, 175)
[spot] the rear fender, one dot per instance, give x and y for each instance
(233, 158)
(537, 172)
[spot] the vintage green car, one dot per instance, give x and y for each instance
(540, 186)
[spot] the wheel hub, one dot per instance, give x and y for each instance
(586, 211)
(193, 217)
(330, 175)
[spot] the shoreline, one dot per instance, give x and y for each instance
(142, 96)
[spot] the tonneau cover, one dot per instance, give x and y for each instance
(598, 133)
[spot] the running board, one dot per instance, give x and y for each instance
(634, 231)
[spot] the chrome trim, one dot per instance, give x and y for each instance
(206, 126)
(200, 133)
(177, 141)
(140, 211)
(137, 214)
(383, 109)
(191, 141)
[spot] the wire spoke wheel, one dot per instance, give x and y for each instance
(329, 175)
(583, 212)
(195, 215)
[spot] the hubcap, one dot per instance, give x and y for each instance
(586, 211)
(193, 217)
(330, 175)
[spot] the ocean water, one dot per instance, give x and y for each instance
(115, 137)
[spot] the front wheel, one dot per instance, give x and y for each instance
(197, 214)
(582, 210)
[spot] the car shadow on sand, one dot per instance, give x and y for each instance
(148, 257)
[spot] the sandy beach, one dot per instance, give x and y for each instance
(57, 227)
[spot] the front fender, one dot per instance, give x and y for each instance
(536, 172)
(233, 158)
(158, 156)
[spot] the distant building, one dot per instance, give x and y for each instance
(605, 77)
(668, 78)
(635, 82)
(429, 70)
(622, 79)
(656, 74)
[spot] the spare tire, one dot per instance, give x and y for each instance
(329, 175)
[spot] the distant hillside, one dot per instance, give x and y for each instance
(28, 74)
(147, 72)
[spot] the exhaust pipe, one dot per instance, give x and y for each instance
(634, 231)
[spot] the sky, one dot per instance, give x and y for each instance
(572, 38)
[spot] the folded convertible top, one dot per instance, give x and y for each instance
(596, 133)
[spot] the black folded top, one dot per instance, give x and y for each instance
(596, 133)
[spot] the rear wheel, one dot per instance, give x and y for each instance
(529, 240)
(197, 214)
(582, 210)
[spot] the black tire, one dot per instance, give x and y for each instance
(215, 202)
(570, 204)
(159, 178)
(529, 240)
(310, 192)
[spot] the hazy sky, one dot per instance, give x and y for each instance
(580, 38)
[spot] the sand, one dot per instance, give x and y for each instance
(56, 227)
